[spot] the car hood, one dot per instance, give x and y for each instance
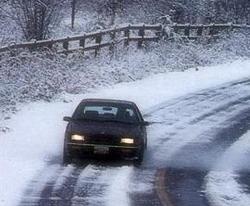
(105, 128)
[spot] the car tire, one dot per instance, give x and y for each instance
(67, 158)
(146, 144)
(139, 156)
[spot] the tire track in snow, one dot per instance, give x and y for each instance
(202, 96)
(222, 187)
(62, 189)
(184, 186)
(244, 178)
(53, 186)
(33, 193)
(218, 113)
(91, 185)
(198, 122)
(203, 154)
(84, 185)
(143, 188)
(103, 186)
(191, 165)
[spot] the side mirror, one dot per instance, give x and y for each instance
(145, 123)
(67, 119)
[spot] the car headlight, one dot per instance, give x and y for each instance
(77, 137)
(127, 140)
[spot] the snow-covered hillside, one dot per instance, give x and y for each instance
(35, 76)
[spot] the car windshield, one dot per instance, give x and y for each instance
(108, 112)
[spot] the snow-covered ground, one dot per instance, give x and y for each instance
(222, 186)
(36, 131)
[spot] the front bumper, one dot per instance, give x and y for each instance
(90, 149)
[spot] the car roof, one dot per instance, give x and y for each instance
(108, 101)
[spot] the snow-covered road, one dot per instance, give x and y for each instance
(204, 152)
(196, 109)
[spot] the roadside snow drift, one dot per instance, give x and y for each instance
(36, 132)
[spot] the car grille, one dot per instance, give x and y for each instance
(103, 139)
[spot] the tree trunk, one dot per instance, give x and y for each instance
(73, 13)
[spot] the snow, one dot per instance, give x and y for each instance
(35, 188)
(37, 130)
(110, 186)
(63, 176)
(160, 88)
(118, 192)
(178, 131)
(222, 187)
(43, 75)
(28, 146)
(223, 190)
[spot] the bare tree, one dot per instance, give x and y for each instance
(73, 13)
(35, 16)
(236, 11)
(114, 7)
(111, 9)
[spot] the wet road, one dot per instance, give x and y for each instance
(193, 133)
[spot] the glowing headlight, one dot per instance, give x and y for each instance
(77, 137)
(127, 140)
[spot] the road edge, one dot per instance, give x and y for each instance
(160, 187)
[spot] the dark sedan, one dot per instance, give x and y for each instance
(106, 127)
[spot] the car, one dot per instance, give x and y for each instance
(105, 127)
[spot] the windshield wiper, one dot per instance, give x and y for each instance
(119, 121)
(104, 120)
(86, 119)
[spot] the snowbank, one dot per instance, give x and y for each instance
(36, 135)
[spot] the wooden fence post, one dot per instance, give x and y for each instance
(98, 40)
(200, 30)
(187, 31)
(66, 44)
(112, 36)
(175, 28)
(82, 43)
(212, 30)
(141, 34)
(127, 36)
(50, 45)
(34, 46)
(230, 27)
(160, 32)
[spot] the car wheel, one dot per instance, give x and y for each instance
(146, 144)
(67, 158)
(139, 156)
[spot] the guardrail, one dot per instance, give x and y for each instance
(96, 40)
(139, 33)
(199, 30)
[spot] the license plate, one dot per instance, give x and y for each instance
(101, 150)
